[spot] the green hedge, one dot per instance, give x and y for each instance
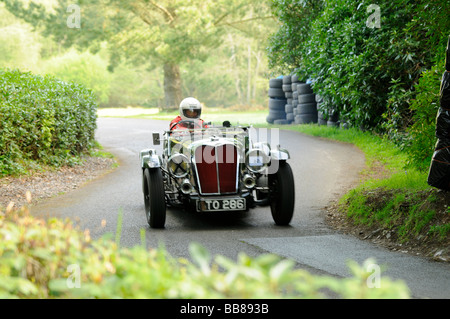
(379, 79)
(43, 121)
(52, 259)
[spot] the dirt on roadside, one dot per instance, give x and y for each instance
(46, 184)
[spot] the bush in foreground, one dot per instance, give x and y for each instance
(50, 259)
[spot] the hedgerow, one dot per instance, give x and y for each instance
(43, 121)
(380, 78)
(53, 259)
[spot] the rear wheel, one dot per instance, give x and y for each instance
(282, 194)
(155, 205)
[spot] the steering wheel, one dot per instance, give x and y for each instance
(189, 124)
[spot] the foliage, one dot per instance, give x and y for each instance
(84, 68)
(52, 259)
(432, 27)
(353, 65)
(287, 48)
(404, 212)
(135, 86)
(371, 76)
(43, 120)
(149, 34)
(422, 138)
(19, 47)
(232, 74)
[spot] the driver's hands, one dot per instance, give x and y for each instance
(186, 124)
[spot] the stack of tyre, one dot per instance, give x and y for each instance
(294, 94)
(289, 108)
(306, 106)
(321, 117)
(277, 102)
(333, 118)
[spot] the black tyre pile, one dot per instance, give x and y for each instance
(293, 101)
(289, 108)
(331, 118)
(294, 95)
(277, 102)
(306, 105)
(321, 118)
(439, 173)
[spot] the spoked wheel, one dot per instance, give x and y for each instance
(282, 194)
(155, 205)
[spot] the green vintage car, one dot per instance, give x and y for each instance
(215, 169)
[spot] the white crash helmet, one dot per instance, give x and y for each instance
(190, 109)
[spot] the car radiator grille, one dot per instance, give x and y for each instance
(217, 169)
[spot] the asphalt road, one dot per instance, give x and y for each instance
(322, 169)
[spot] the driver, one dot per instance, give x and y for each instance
(190, 111)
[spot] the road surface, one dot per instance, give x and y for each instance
(322, 170)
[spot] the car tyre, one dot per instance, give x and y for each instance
(307, 98)
(281, 122)
(276, 83)
(277, 105)
(304, 88)
(154, 198)
(305, 118)
(276, 93)
(307, 108)
(282, 194)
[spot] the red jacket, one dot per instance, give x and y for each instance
(183, 125)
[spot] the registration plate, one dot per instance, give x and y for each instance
(208, 205)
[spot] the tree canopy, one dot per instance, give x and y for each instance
(379, 76)
(146, 32)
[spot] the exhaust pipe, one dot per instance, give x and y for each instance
(186, 187)
(249, 181)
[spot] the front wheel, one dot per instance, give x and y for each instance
(154, 198)
(282, 194)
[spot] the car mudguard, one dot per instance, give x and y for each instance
(149, 159)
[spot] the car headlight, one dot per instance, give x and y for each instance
(178, 165)
(256, 160)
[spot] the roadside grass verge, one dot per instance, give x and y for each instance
(392, 199)
(98, 151)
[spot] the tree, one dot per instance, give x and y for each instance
(146, 32)
(19, 46)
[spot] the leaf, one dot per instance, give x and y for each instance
(200, 256)
(281, 270)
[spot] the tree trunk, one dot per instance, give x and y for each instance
(249, 72)
(235, 70)
(172, 86)
(256, 74)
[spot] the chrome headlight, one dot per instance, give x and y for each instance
(178, 165)
(257, 160)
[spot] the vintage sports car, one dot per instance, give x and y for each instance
(215, 169)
